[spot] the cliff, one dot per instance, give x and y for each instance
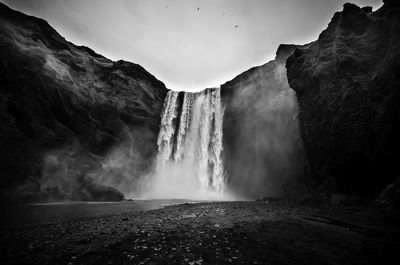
(348, 88)
(262, 145)
(64, 107)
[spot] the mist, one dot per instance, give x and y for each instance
(260, 151)
(126, 163)
(70, 173)
(189, 164)
(176, 180)
(263, 150)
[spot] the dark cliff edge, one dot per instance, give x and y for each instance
(63, 108)
(262, 146)
(348, 88)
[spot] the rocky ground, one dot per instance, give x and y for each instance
(262, 232)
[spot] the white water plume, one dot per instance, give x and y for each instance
(189, 163)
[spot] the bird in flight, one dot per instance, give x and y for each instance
(236, 26)
(198, 8)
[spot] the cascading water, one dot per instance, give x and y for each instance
(190, 146)
(167, 129)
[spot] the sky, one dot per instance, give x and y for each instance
(188, 44)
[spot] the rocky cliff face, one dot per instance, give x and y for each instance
(63, 108)
(262, 145)
(348, 88)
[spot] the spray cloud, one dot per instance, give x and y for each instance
(189, 164)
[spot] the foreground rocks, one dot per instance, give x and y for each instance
(264, 232)
(64, 107)
(348, 88)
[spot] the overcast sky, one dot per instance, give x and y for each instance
(186, 48)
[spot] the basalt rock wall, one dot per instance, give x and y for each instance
(63, 108)
(348, 88)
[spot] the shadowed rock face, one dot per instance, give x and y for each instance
(262, 145)
(57, 96)
(348, 88)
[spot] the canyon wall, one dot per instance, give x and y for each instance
(74, 123)
(348, 87)
(66, 111)
(262, 146)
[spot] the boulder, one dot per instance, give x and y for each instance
(390, 196)
(96, 193)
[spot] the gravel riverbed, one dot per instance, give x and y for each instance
(258, 232)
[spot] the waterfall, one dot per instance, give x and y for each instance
(167, 129)
(191, 139)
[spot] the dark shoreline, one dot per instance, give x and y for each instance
(259, 232)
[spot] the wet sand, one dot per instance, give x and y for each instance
(206, 233)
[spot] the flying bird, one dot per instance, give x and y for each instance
(198, 8)
(236, 26)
